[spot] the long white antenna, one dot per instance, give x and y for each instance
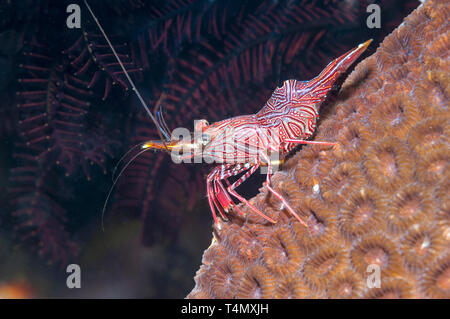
(125, 72)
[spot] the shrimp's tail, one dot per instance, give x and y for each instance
(336, 67)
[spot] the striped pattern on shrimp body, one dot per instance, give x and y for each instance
(236, 140)
(287, 114)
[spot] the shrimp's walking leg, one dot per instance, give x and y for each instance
(212, 200)
(231, 190)
(218, 197)
(310, 142)
(222, 196)
(268, 183)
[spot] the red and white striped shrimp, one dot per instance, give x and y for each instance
(287, 119)
(242, 144)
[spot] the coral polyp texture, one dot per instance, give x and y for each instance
(379, 197)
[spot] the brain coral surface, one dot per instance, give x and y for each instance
(379, 197)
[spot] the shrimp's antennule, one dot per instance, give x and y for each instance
(147, 109)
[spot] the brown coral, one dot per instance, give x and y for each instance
(421, 245)
(429, 132)
(391, 289)
(395, 114)
(290, 288)
(376, 250)
(432, 167)
(226, 277)
(345, 286)
(388, 163)
(322, 224)
(410, 205)
(378, 198)
(280, 252)
(323, 266)
(257, 283)
(362, 212)
(436, 280)
(341, 180)
(352, 140)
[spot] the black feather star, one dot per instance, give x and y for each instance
(73, 116)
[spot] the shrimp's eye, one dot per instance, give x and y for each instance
(200, 125)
